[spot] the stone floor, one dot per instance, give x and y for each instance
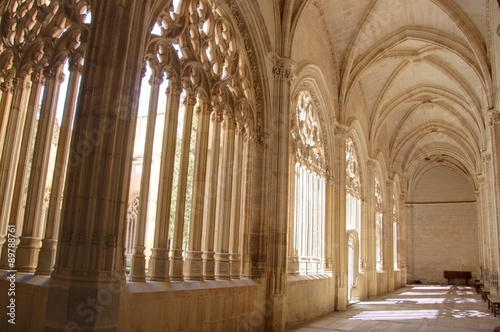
(413, 308)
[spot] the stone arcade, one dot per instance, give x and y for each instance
(230, 165)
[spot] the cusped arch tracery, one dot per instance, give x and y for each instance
(38, 34)
(199, 35)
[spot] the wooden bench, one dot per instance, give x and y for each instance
(458, 275)
(479, 285)
(484, 295)
(494, 304)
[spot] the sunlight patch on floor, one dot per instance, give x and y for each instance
(396, 315)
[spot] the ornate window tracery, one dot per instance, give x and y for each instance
(41, 56)
(306, 251)
(194, 54)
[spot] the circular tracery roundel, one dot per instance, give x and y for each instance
(306, 134)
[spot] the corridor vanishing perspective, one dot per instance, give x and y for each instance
(228, 165)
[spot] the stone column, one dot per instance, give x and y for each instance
(371, 228)
(277, 188)
(176, 258)
(30, 239)
(491, 231)
(494, 122)
(252, 231)
(209, 216)
(158, 262)
(340, 230)
(224, 193)
(5, 102)
(402, 243)
(294, 193)
(193, 266)
(47, 255)
(480, 227)
(388, 241)
(11, 148)
(236, 202)
(17, 206)
(329, 226)
(138, 261)
(410, 262)
(90, 259)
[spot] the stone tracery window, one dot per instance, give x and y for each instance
(307, 243)
(41, 57)
(200, 131)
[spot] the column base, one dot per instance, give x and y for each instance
(193, 266)
(222, 266)
(276, 318)
(235, 266)
(158, 265)
(208, 265)
(176, 265)
(341, 298)
(27, 254)
(46, 257)
(138, 265)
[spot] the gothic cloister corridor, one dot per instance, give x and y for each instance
(246, 165)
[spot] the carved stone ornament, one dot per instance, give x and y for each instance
(494, 116)
(306, 134)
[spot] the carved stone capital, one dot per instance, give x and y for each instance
(228, 122)
(49, 72)
(37, 77)
(284, 68)
(73, 65)
(216, 115)
(240, 128)
(371, 163)
(341, 132)
(5, 86)
(493, 116)
(155, 79)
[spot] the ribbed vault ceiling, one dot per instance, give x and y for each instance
(422, 70)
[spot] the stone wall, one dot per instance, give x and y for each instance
(232, 305)
(445, 238)
(309, 297)
(153, 306)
